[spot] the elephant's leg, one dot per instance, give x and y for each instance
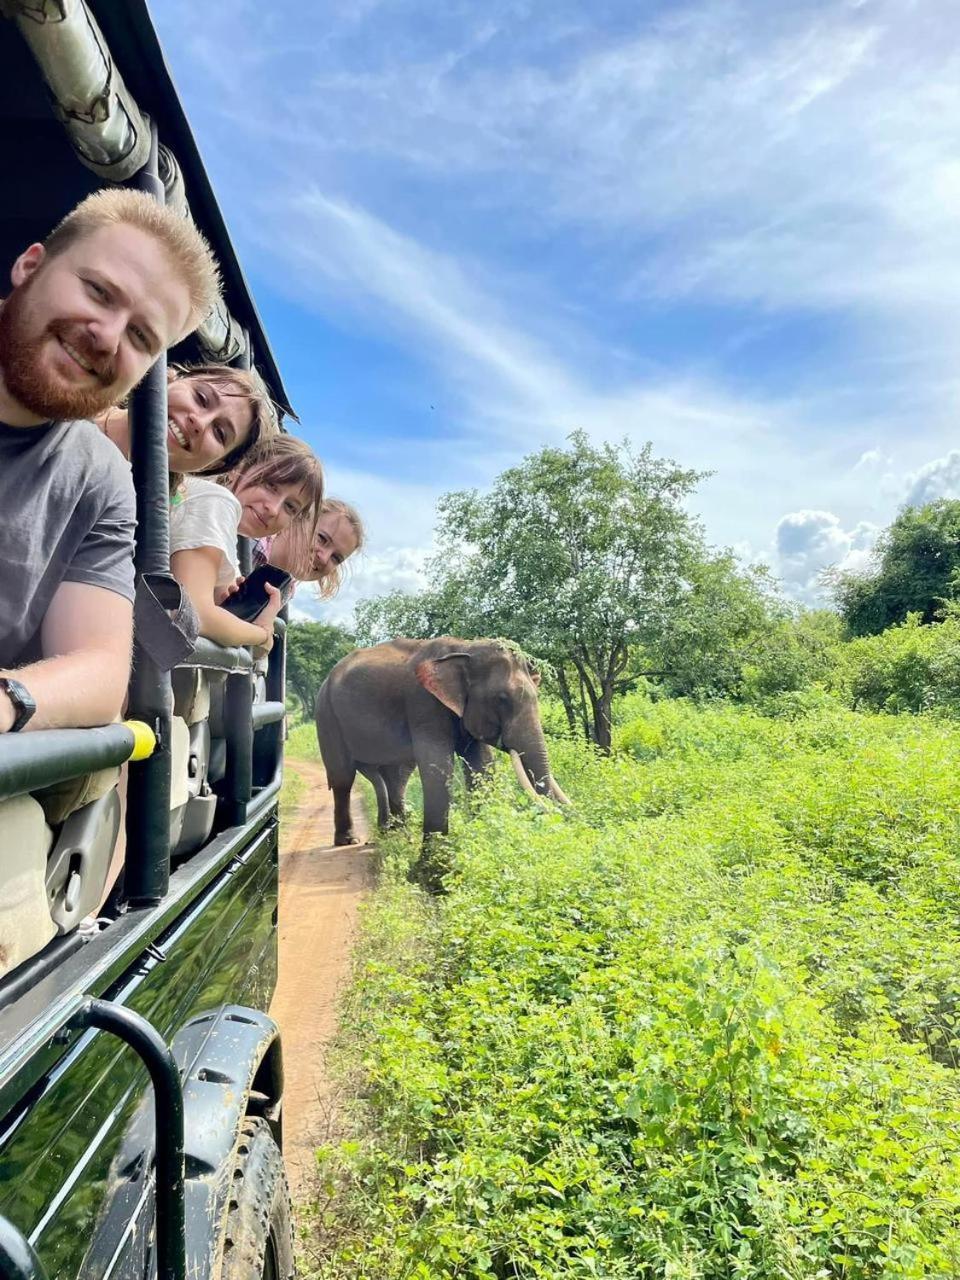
(434, 756)
(436, 776)
(374, 776)
(396, 776)
(341, 784)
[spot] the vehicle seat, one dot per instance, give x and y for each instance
(25, 922)
(197, 704)
(78, 866)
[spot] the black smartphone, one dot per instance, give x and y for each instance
(252, 596)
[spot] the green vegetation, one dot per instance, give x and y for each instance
(704, 1025)
(313, 649)
(301, 741)
(910, 667)
(916, 569)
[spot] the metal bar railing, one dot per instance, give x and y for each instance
(215, 657)
(267, 713)
(238, 730)
(158, 1058)
(30, 761)
(147, 867)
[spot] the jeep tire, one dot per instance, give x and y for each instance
(258, 1237)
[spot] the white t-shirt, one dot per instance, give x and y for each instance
(205, 514)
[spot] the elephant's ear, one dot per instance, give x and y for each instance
(446, 680)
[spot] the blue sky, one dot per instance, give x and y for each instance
(727, 228)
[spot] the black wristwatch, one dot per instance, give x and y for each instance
(23, 703)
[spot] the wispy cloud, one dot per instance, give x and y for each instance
(792, 154)
(517, 394)
(525, 200)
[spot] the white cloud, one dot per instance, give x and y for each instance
(937, 479)
(807, 542)
(393, 568)
(873, 460)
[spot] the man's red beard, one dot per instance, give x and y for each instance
(22, 369)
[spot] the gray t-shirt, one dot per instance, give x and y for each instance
(67, 514)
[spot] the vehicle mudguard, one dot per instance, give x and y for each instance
(232, 1067)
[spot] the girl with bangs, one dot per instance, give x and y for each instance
(339, 533)
(279, 488)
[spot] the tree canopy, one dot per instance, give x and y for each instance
(915, 570)
(583, 555)
(313, 649)
(587, 557)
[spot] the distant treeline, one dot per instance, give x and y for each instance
(587, 557)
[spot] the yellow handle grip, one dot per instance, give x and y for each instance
(144, 739)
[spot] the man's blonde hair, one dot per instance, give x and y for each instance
(187, 248)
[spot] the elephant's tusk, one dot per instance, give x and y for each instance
(557, 793)
(523, 777)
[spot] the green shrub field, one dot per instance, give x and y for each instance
(702, 1025)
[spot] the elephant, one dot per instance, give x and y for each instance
(408, 704)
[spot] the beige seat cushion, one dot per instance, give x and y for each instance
(191, 694)
(64, 798)
(25, 923)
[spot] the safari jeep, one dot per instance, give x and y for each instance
(141, 1079)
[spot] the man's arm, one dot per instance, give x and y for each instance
(87, 636)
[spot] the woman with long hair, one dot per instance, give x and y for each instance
(215, 415)
(338, 535)
(278, 488)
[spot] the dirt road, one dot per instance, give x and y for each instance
(320, 890)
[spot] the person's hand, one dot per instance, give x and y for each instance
(224, 593)
(266, 617)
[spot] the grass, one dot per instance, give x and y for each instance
(703, 1026)
(301, 742)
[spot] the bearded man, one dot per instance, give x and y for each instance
(92, 308)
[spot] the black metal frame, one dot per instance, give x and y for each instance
(158, 1058)
(147, 873)
(47, 1006)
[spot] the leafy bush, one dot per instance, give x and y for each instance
(910, 667)
(704, 1026)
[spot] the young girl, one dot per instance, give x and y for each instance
(339, 533)
(280, 487)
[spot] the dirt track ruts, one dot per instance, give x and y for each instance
(320, 890)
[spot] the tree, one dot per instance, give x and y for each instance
(727, 620)
(313, 649)
(916, 569)
(444, 609)
(578, 554)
